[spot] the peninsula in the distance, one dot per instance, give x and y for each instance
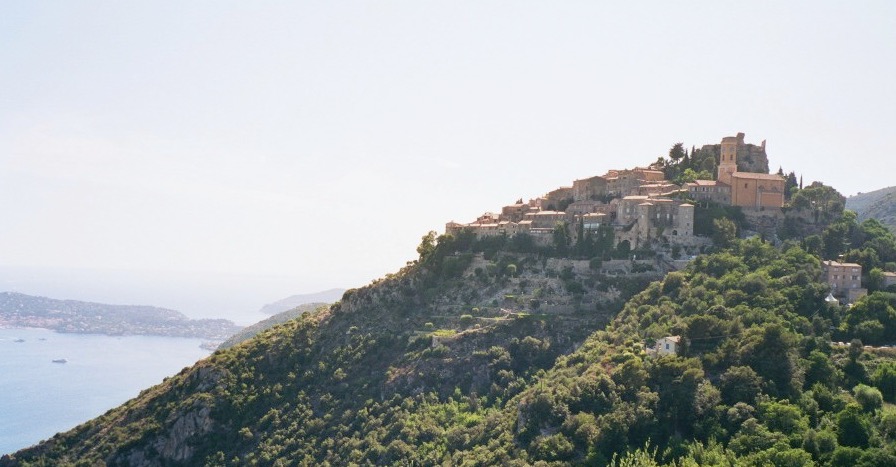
(74, 316)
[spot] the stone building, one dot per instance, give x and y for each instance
(488, 218)
(558, 199)
(579, 208)
(709, 190)
(758, 191)
(627, 182)
(641, 220)
(845, 280)
(546, 219)
(515, 212)
(627, 209)
(589, 189)
(593, 221)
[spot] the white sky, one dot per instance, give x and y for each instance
(318, 141)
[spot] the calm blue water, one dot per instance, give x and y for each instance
(39, 398)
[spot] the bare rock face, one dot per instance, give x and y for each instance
(173, 445)
(182, 427)
(752, 158)
(206, 378)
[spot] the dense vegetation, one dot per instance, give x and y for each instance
(499, 353)
(462, 326)
(683, 166)
(251, 331)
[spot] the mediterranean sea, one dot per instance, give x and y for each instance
(40, 397)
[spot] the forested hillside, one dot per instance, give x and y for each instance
(251, 331)
(495, 352)
(477, 319)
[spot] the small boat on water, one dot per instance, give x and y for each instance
(60, 360)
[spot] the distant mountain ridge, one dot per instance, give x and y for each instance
(288, 303)
(878, 204)
(73, 316)
(259, 327)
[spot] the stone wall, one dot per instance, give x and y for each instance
(764, 221)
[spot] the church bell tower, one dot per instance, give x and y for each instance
(728, 158)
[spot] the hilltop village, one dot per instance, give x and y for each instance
(641, 206)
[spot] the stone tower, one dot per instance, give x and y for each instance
(728, 157)
(684, 222)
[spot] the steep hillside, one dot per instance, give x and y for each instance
(878, 204)
(251, 331)
(495, 350)
(454, 325)
(505, 358)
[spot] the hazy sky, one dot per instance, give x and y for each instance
(318, 141)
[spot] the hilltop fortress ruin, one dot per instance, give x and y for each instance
(639, 205)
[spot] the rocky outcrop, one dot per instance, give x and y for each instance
(765, 223)
(173, 445)
(183, 427)
(752, 158)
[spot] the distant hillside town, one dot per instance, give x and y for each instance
(641, 207)
(73, 316)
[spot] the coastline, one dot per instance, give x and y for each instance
(40, 398)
